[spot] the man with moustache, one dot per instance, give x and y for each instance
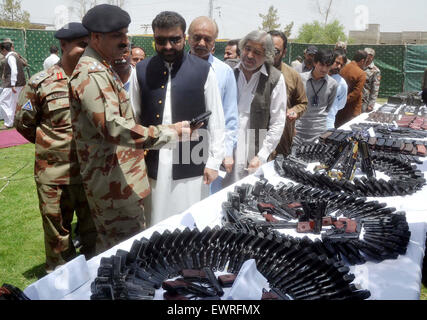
(297, 99)
(340, 60)
(372, 83)
(123, 68)
(43, 117)
(202, 34)
(321, 90)
(175, 86)
(307, 64)
(261, 104)
(232, 50)
(110, 145)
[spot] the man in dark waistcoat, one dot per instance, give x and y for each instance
(13, 80)
(261, 102)
(175, 86)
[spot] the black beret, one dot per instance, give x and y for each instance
(70, 31)
(106, 18)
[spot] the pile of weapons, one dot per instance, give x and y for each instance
(407, 110)
(403, 181)
(295, 268)
(413, 122)
(340, 153)
(265, 208)
(382, 116)
(387, 139)
(407, 99)
(404, 116)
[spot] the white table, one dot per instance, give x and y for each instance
(398, 279)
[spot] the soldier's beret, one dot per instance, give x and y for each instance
(106, 18)
(70, 31)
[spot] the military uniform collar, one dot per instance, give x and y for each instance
(90, 52)
(58, 72)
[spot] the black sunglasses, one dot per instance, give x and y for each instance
(163, 40)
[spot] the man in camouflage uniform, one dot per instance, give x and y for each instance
(110, 145)
(43, 117)
(372, 84)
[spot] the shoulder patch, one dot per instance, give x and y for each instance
(96, 67)
(38, 78)
(28, 106)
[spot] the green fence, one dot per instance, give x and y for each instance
(38, 43)
(401, 66)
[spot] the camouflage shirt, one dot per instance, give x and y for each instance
(372, 86)
(110, 145)
(43, 117)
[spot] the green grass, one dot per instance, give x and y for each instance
(21, 234)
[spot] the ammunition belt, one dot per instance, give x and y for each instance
(385, 140)
(258, 208)
(295, 268)
(404, 179)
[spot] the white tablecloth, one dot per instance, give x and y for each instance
(398, 279)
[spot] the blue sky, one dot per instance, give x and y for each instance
(237, 17)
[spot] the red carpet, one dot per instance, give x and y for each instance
(11, 138)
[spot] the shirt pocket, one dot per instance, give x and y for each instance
(58, 104)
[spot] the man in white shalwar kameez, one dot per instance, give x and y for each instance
(175, 85)
(13, 80)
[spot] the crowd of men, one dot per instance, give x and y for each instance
(111, 127)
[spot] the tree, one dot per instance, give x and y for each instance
(288, 29)
(119, 3)
(324, 8)
(81, 7)
(270, 21)
(316, 32)
(334, 32)
(11, 15)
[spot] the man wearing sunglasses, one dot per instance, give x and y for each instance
(43, 117)
(110, 145)
(176, 86)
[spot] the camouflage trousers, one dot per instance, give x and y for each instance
(116, 225)
(57, 205)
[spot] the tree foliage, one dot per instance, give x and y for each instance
(11, 15)
(288, 29)
(316, 32)
(81, 7)
(270, 21)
